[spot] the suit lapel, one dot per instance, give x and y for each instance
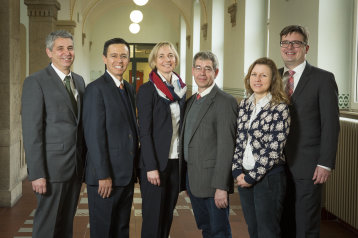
(80, 90)
(302, 82)
(58, 83)
(204, 109)
(114, 90)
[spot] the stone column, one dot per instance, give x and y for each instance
(10, 126)
(66, 25)
(42, 21)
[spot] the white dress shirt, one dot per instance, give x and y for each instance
(62, 77)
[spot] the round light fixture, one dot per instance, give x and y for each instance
(136, 16)
(134, 28)
(140, 2)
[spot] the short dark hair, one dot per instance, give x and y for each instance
(295, 28)
(207, 55)
(50, 39)
(114, 41)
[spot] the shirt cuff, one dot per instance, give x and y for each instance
(327, 168)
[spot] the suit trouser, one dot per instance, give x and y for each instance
(56, 210)
(262, 205)
(302, 210)
(158, 202)
(110, 217)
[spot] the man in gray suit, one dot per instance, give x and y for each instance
(208, 140)
(53, 138)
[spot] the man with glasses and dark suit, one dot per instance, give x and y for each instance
(312, 142)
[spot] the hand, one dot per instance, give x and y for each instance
(241, 181)
(221, 198)
(320, 175)
(153, 177)
(39, 185)
(105, 187)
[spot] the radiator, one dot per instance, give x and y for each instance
(342, 187)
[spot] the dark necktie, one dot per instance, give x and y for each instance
(290, 83)
(69, 90)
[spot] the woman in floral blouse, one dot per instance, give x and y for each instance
(258, 166)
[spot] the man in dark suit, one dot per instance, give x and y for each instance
(53, 138)
(208, 140)
(111, 136)
(312, 143)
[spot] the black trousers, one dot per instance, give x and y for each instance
(109, 217)
(302, 209)
(158, 202)
(56, 210)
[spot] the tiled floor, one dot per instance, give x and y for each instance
(17, 222)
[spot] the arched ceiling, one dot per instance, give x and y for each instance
(91, 9)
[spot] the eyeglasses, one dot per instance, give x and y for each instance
(295, 44)
(206, 69)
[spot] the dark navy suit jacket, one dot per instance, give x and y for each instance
(314, 130)
(155, 126)
(110, 132)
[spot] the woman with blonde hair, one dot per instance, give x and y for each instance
(160, 104)
(258, 164)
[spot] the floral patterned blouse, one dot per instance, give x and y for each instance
(268, 133)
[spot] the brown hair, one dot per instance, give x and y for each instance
(276, 87)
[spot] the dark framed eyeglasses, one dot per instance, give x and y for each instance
(295, 44)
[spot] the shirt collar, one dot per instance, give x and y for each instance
(116, 81)
(298, 69)
(60, 73)
(174, 78)
(206, 91)
(262, 102)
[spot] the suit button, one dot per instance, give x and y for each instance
(131, 153)
(130, 136)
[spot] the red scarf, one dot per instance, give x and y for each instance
(158, 82)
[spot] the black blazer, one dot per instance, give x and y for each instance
(52, 130)
(314, 130)
(155, 127)
(110, 132)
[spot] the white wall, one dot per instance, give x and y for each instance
(234, 43)
(293, 12)
(335, 40)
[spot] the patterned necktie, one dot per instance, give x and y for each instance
(290, 83)
(69, 90)
(198, 96)
(121, 86)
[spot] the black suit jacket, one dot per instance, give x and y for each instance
(314, 127)
(52, 130)
(155, 127)
(110, 132)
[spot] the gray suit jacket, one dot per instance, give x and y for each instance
(52, 133)
(211, 145)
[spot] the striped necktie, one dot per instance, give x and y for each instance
(69, 90)
(290, 83)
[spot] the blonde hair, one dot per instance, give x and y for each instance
(276, 87)
(154, 53)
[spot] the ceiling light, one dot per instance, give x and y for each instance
(134, 28)
(140, 2)
(136, 16)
